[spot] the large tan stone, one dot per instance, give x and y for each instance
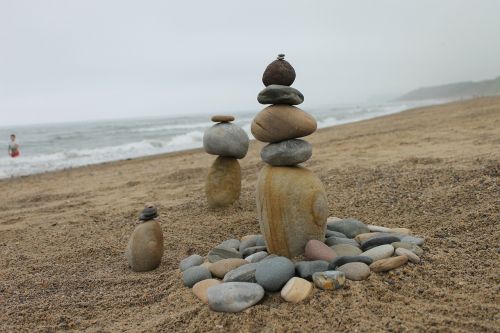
(292, 208)
(223, 182)
(282, 122)
(145, 247)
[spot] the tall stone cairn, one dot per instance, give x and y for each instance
(230, 143)
(291, 201)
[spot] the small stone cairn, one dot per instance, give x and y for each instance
(145, 247)
(237, 273)
(291, 201)
(230, 143)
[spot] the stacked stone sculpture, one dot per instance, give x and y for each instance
(145, 247)
(230, 143)
(291, 201)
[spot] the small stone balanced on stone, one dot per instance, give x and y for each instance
(291, 201)
(145, 247)
(229, 142)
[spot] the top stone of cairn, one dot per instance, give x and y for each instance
(222, 119)
(279, 72)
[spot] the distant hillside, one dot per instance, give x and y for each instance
(455, 91)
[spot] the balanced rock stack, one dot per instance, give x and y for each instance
(291, 201)
(145, 247)
(229, 142)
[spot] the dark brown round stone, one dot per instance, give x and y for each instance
(222, 119)
(279, 72)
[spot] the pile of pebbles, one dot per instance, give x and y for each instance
(236, 273)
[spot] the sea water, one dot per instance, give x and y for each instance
(51, 147)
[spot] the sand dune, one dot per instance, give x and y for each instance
(434, 170)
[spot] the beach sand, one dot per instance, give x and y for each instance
(434, 170)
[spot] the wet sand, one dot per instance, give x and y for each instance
(434, 170)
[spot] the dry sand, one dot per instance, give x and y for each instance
(434, 170)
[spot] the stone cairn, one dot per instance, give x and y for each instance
(291, 201)
(145, 247)
(236, 274)
(230, 143)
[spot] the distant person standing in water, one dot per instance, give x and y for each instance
(13, 146)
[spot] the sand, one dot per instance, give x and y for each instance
(434, 170)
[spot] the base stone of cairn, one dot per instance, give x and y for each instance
(291, 201)
(230, 143)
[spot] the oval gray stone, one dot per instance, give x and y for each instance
(306, 269)
(379, 252)
(339, 261)
(409, 246)
(377, 241)
(249, 242)
(349, 227)
(226, 139)
(278, 94)
(288, 152)
(346, 250)
(331, 233)
(272, 274)
(195, 274)
(412, 257)
(220, 253)
(193, 260)
(414, 240)
(245, 273)
(355, 271)
(256, 257)
(251, 250)
(234, 296)
(331, 241)
(230, 244)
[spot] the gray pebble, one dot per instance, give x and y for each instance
(288, 152)
(330, 241)
(245, 273)
(220, 253)
(234, 296)
(339, 261)
(306, 269)
(330, 233)
(226, 139)
(272, 274)
(230, 244)
(260, 241)
(249, 242)
(377, 241)
(251, 250)
(349, 227)
(414, 240)
(195, 274)
(277, 94)
(256, 257)
(193, 260)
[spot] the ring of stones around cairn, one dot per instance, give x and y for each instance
(148, 213)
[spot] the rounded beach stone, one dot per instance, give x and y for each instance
(223, 182)
(288, 152)
(331, 241)
(276, 94)
(409, 246)
(377, 241)
(195, 274)
(244, 273)
(330, 233)
(220, 253)
(145, 247)
(316, 250)
(414, 240)
(226, 139)
(279, 72)
(346, 250)
(221, 267)
(282, 122)
(355, 271)
(339, 261)
(292, 208)
(222, 119)
(412, 257)
(387, 264)
(349, 227)
(193, 260)
(248, 241)
(329, 280)
(256, 257)
(376, 228)
(296, 290)
(368, 235)
(379, 252)
(260, 241)
(251, 250)
(272, 274)
(200, 288)
(306, 269)
(234, 296)
(230, 244)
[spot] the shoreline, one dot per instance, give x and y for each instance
(434, 170)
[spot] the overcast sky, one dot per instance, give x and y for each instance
(90, 59)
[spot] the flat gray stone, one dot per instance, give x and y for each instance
(195, 274)
(409, 246)
(379, 252)
(412, 257)
(349, 227)
(256, 257)
(260, 241)
(249, 242)
(226, 139)
(251, 250)
(346, 250)
(245, 273)
(234, 296)
(331, 241)
(193, 260)
(306, 269)
(355, 271)
(230, 244)
(288, 152)
(414, 240)
(220, 253)
(339, 261)
(377, 241)
(272, 274)
(330, 233)
(277, 94)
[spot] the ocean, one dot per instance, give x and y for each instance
(59, 146)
